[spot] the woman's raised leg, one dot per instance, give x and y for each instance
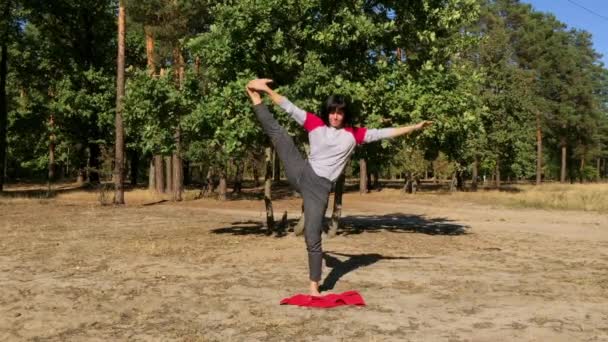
(286, 149)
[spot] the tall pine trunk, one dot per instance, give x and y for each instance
(582, 169)
(159, 175)
(178, 176)
(52, 164)
(151, 176)
(475, 174)
(150, 51)
(3, 99)
(168, 174)
(157, 180)
(268, 191)
(498, 181)
(539, 151)
(119, 159)
(223, 187)
(362, 176)
(562, 177)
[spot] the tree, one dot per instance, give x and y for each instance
(119, 170)
(4, 31)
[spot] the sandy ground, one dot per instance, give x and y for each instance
(429, 268)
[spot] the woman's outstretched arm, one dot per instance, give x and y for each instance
(409, 129)
(372, 134)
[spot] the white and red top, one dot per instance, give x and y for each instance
(331, 147)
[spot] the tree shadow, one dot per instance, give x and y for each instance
(354, 261)
(399, 223)
(251, 227)
(356, 224)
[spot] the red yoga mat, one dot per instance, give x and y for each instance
(327, 301)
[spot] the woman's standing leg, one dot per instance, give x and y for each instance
(315, 191)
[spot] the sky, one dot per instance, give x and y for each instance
(577, 14)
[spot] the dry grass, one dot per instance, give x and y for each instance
(585, 197)
(74, 193)
(135, 197)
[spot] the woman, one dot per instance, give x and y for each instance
(332, 141)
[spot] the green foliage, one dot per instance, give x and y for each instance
(483, 71)
(152, 110)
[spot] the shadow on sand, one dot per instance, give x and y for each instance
(354, 261)
(395, 223)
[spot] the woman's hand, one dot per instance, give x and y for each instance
(256, 98)
(260, 85)
(422, 125)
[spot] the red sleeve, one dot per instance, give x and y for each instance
(312, 122)
(358, 133)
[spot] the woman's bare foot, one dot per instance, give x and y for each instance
(314, 289)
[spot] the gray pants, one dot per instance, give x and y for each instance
(314, 189)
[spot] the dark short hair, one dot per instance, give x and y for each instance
(332, 103)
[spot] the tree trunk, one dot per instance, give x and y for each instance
(362, 176)
(168, 174)
(408, 186)
(150, 51)
(337, 211)
(159, 174)
(52, 165)
(3, 99)
(268, 191)
(460, 180)
(475, 174)
(539, 151)
(197, 66)
(209, 186)
(598, 166)
(454, 183)
(178, 176)
(498, 173)
(80, 176)
(562, 177)
(223, 188)
(151, 176)
(119, 148)
(582, 170)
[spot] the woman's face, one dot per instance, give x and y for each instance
(336, 118)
